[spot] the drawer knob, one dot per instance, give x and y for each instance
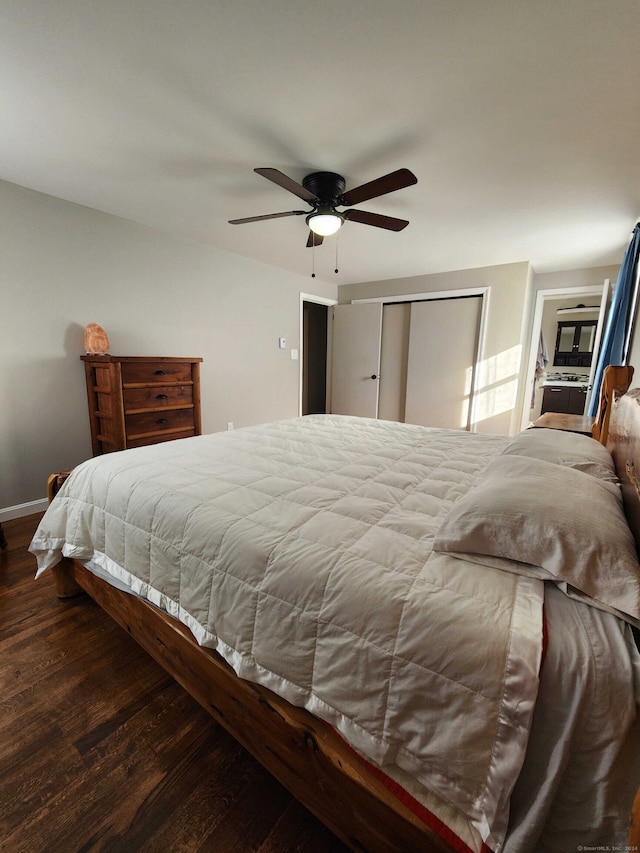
(162, 421)
(160, 372)
(161, 397)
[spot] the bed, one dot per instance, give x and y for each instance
(426, 635)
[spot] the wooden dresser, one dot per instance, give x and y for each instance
(137, 400)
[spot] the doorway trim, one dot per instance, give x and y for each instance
(601, 290)
(319, 300)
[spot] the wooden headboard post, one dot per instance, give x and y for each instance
(624, 445)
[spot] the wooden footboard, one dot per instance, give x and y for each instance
(305, 755)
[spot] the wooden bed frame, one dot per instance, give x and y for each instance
(304, 754)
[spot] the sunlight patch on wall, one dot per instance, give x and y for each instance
(497, 384)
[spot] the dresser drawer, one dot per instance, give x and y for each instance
(160, 372)
(158, 397)
(146, 423)
(157, 438)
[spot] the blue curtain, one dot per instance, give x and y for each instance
(614, 340)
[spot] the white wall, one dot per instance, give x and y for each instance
(64, 266)
(499, 393)
(588, 277)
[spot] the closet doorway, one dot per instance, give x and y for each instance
(410, 359)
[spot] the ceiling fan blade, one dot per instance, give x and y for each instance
(381, 186)
(314, 239)
(287, 183)
(376, 219)
(267, 216)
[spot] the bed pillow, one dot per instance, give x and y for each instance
(564, 448)
(533, 517)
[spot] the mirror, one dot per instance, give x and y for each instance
(565, 341)
(586, 338)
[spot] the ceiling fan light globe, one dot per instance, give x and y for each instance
(324, 224)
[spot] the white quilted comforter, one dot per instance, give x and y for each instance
(301, 551)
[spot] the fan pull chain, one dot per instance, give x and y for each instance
(336, 269)
(313, 256)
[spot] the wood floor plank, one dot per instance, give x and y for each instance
(100, 750)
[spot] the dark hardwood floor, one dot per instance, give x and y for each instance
(101, 750)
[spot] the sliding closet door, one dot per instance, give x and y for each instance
(355, 364)
(396, 319)
(443, 346)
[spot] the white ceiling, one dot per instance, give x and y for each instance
(520, 118)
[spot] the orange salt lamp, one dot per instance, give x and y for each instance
(96, 341)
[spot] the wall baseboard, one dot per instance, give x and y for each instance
(19, 510)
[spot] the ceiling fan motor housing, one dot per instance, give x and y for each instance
(328, 187)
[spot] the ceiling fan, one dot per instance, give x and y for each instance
(325, 191)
